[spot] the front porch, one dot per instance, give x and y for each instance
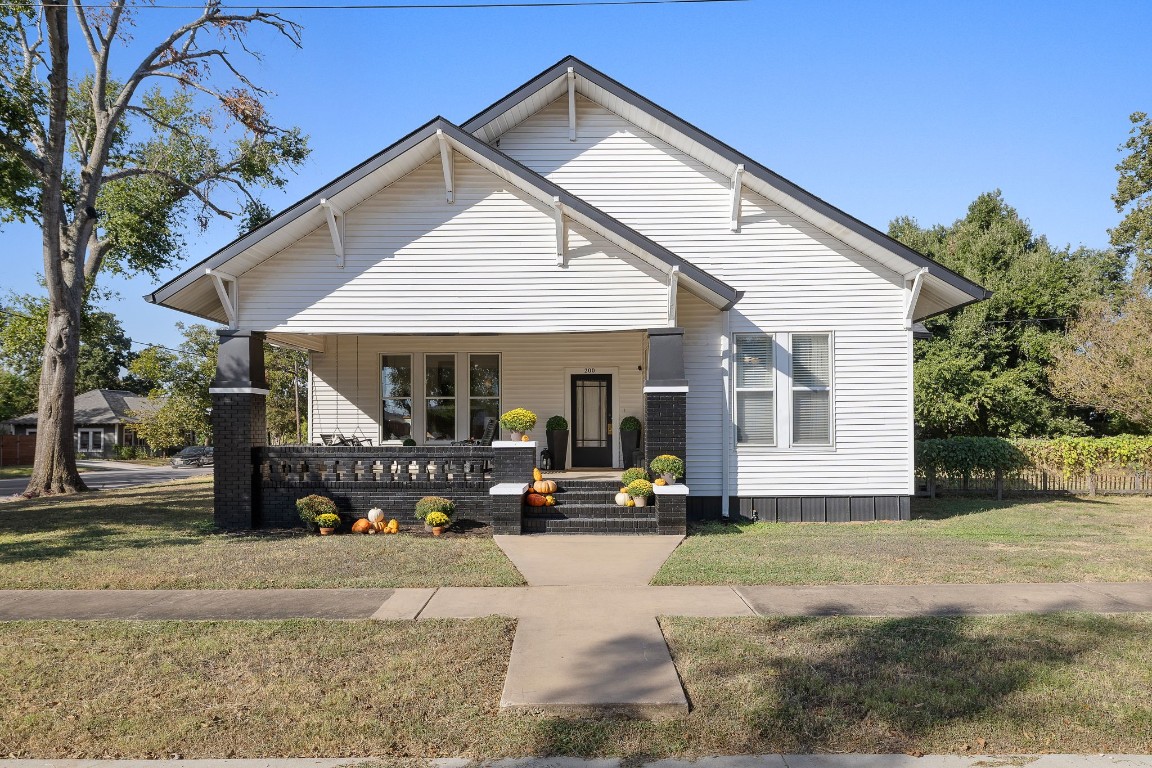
(437, 391)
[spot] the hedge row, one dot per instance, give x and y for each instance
(1072, 456)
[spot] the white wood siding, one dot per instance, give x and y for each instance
(416, 264)
(795, 277)
(535, 374)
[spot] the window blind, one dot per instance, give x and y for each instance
(811, 389)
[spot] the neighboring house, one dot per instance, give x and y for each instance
(575, 249)
(103, 422)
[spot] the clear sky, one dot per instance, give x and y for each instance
(883, 109)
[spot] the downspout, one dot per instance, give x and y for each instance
(726, 431)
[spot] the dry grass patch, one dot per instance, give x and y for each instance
(947, 541)
(1068, 683)
(161, 537)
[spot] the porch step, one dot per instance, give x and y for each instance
(588, 517)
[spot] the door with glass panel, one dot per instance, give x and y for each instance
(592, 420)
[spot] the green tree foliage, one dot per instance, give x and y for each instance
(104, 351)
(1133, 235)
(985, 371)
(184, 376)
(111, 157)
(178, 422)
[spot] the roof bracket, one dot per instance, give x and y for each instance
(335, 228)
(227, 294)
(561, 233)
(446, 161)
(737, 180)
(913, 295)
(673, 286)
(571, 104)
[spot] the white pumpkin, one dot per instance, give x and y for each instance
(375, 515)
(622, 499)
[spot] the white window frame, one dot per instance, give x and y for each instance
(783, 398)
(774, 389)
(464, 420)
(380, 392)
(793, 388)
(89, 432)
(425, 398)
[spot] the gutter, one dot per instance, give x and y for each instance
(726, 431)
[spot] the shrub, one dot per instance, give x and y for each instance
(328, 520)
(668, 464)
(640, 488)
(409, 442)
(965, 456)
(311, 507)
(438, 519)
(557, 424)
(126, 452)
(434, 504)
(633, 474)
(629, 424)
(518, 420)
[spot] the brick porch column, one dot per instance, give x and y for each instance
(238, 425)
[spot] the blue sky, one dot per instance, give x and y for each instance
(883, 109)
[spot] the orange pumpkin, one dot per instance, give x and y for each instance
(544, 486)
(536, 500)
(361, 526)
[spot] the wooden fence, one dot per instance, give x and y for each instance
(1037, 482)
(16, 450)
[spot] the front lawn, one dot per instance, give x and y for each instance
(160, 537)
(1063, 683)
(1108, 538)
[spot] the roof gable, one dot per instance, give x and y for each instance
(943, 289)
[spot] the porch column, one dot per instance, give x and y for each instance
(665, 395)
(238, 426)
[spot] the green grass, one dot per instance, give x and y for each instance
(161, 537)
(1020, 684)
(948, 541)
(8, 473)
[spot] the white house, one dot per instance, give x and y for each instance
(576, 250)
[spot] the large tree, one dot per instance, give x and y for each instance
(985, 370)
(104, 351)
(1133, 235)
(106, 159)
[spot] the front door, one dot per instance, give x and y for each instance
(592, 420)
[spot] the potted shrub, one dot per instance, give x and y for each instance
(669, 467)
(640, 491)
(629, 438)
(430, 505)
(328, 523)
(557, 431)
(437, 522)
(311, 507)
(518, 421)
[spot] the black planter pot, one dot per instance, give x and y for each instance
(558, 447)
(629, 444)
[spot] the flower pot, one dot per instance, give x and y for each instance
(669, 478)
(641, 501)
(515, 436)
(437, 530)
(558, 447)
(327, 531)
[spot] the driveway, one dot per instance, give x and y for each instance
(115, 474)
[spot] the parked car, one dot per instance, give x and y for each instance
(193, 456)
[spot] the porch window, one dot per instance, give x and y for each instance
(440, 398)
(811, 389)
(755, 389)
(396, 388)
(483, 392)
(89, 440)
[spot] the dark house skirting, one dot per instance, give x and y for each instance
(803, 509)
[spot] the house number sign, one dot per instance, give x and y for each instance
(589, 370)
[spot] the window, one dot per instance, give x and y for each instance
(89, 440)
(811, 389)
(483, 392)
(396, 391)
(439, 398)
(755, 389)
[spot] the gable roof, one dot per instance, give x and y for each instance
(100, 406)
(944, 289)
(193, 292)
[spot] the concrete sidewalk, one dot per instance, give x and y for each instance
(738, 761)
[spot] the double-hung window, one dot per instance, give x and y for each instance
(483, 392)
(396, 387)
(440, 398)
(755, 389)
(811, 389)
